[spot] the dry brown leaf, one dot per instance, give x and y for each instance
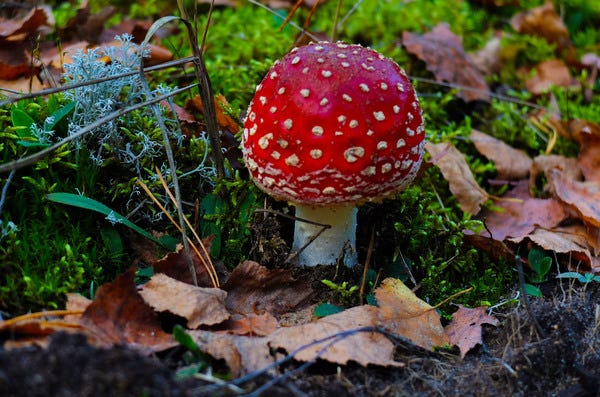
(521, 214)
(464, 330)
(252, 325)
(242, 354)
(583, 197)
(445, 57)
(85, 25)
(587, 134)
(488, 59)
(176, 265)
(549, 73)
(577, 258)
(19, 28)
(543, 165)
(403, 313)
(542, 21)
(454, 167)
(199, 306)
(364, 348)
(16, 61)
(253, 288)
(119, 315)
(510, 163)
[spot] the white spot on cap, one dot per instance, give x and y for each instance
(273, 109)
(305, 70)
(383, 86)
(317, 130)
(341, 45)
(320, 60)
(275, 154)
(420, 129)
(379, 116)
(406, 164)
(324, 102)
(289, 191)
(292, 160)
(282, 143)
(263, 142)
(338, 133)
(281, 90)
(273, 75)
(305, 92)
(288, 123)
(367, 67)
(268, 181)
(252, 116)
(410, 132)
(347, 98)
(353, 124)
(326, 73)
(316, 153)
(400, 87)
(410, 117)
(341, 55)
(345, 64)
(341, 118)
(396, 109)
(364, 87)
(329, 190)
(415, 105)
(369, 171)
(253, 129)
(354, 153)
(318, 48)
(387, 167)
(401, 143)
(295, 60)
(382, 145)
(414, 150)
(262, 99)
(370, 132)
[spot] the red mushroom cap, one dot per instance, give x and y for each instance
(333, 123)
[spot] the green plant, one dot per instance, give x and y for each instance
(345, 293)
(193, 357)
(540, 265)
(583, 278)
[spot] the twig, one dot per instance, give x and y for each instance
(367, 263)
(5, 189)
(525, 298)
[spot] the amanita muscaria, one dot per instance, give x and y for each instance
(331, 126)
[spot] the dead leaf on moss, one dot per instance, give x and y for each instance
(510, 163)
(488, 59)
(86, 26)
(364, 348)
(17, 29)
(587, 134)
(549, 73)
(403, 313)
(544, 164)
(454, 167)
(583, 197)
(521, 214)
(254, 289)
(542, 21)
(464, 330)
(119, 315)
(444, 55)
(199, 306)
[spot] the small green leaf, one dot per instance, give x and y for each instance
(185, 340)
(327, 309)
(87, 203)
(22, 122)
(532, 290)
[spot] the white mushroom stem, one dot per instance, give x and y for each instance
(337, 243)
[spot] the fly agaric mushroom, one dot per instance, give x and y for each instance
(331, 126)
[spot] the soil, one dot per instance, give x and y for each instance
(514, 361)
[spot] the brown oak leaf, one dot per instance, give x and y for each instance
(464, 330)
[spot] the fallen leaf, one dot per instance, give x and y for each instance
(76, 302)
(29, 24)
(510, 163)
(242, 354)
(549, 73)
(454, 168)
(199, 306)
(86, 26)
(253, 288)
(587, 134)
(578, 258)
(119, 315)
(364, 348)
(583, 197)
(444, 56)
(544, 164)
(464, 330)
(251, 325)
(542, 21)
(521, 214)
(16, 61)
(403, 313)
(176, 265)
(488, 59)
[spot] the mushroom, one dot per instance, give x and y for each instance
(331, 126)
